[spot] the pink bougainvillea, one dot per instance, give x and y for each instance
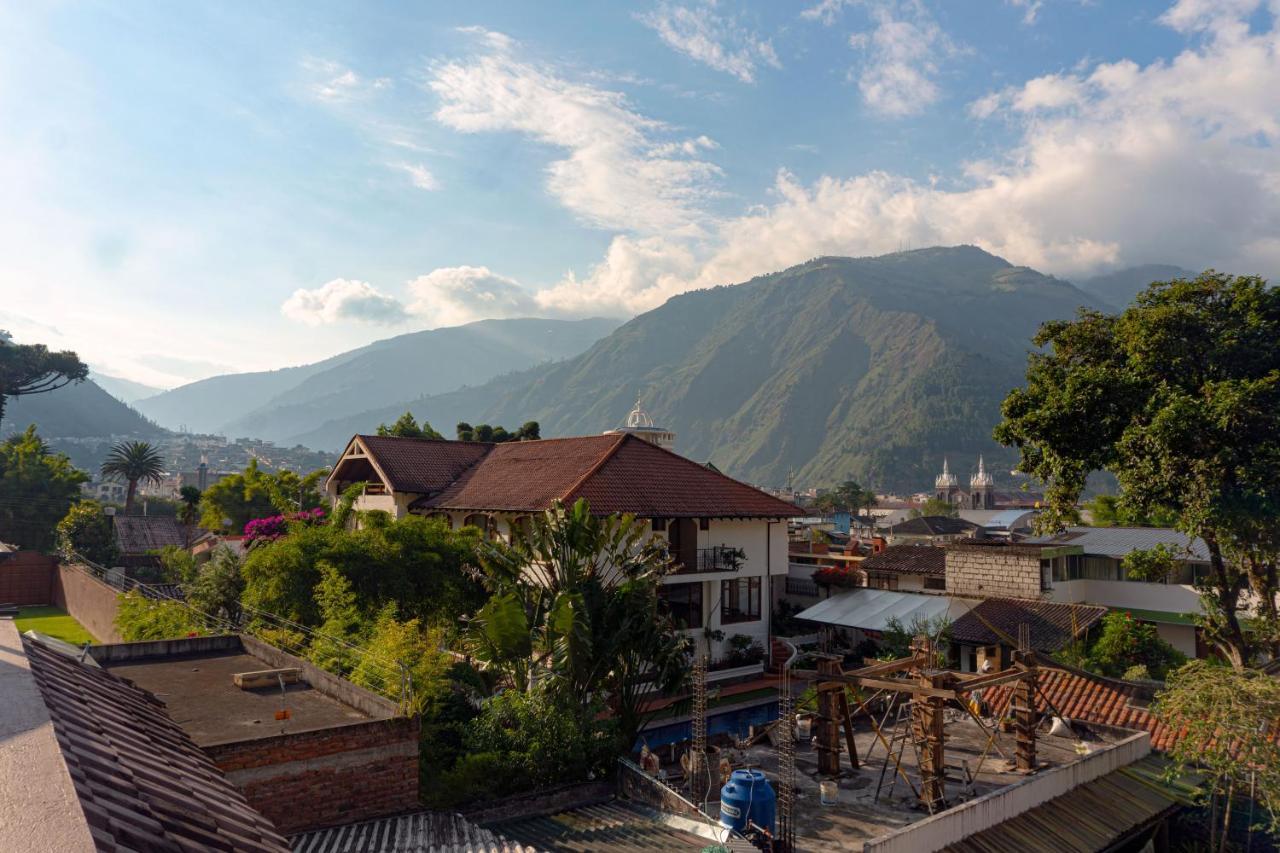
(273, 527)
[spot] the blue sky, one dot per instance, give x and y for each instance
(192, 188)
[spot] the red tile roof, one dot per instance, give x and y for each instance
(615, 473)
(422, 465)
(1089, 698)
(142, 783)
(1052, 624)
(909, 560)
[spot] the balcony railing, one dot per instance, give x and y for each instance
(720, 558)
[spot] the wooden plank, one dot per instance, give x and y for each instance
(848, 730)
(266, 678)
(898, 686)
(885, 667)
(969, 685)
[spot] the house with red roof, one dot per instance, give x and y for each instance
(727, 539)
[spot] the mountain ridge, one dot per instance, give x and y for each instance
(868, 367)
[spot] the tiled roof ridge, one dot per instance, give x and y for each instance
(687, 461)
(595, 468)
(425, 440)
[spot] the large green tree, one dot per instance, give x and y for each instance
(406, 427)
(134, 462)
(576, 595)
(86, 530)
(34, 369)
(255, 493)
(416, 563)
(1179, 398)
(936, 506)
(37, 488)
(528, 431)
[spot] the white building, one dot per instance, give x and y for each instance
(728, 539)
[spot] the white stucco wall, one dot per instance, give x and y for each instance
(1170, 598)
(1181, 637)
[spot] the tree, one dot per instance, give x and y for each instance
(217, 586)
(529, 431)
(37, 488)
(1227, 722)
(1125, 643)
(936, 507)
(1110, 511)
(1179, 398)
(139, 618)
(134, 462)
(406, 427)
(577, 595)
(86, 530)
(255, 493)
(33, 369)
(418, 563)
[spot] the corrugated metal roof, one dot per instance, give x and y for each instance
(871, 609)
(996, 519)
(421, 832)
(614, 826)
(1088, 818)
(1116, 542)
(1052, 624)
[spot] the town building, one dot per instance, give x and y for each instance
(727, 540)
(105, 491)
(139, 538)
(930, 530)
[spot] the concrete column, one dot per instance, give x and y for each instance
(829, 719)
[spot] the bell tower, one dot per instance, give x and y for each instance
(946, 486)
(982, 488)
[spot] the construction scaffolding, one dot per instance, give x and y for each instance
(922, 695)
(785, 737)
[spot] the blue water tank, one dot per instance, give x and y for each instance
(748, 797)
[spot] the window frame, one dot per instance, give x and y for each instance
(754, 594)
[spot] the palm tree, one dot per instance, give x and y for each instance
(189, 514)
(135, 462)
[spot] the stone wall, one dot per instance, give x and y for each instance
(312, 780)
(993, 570)
(26, 578)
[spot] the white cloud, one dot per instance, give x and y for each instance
(714, 40)
(1030, 9)
(902, 54)
(826, 11)
(1116, 164)
(343, 300)
(1195, 15)
(450, 296)
(619, 172)
(420, 175)
(331, 81)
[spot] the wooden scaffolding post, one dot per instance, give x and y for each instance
(829, 694)
(1025, 715)
(928, 721)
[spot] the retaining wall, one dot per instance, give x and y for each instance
(90, 602)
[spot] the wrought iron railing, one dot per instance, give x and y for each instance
(719, 558)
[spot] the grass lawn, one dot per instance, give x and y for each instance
(52, 621)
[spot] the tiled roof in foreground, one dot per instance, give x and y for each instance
(421, 832)
(614, 473)
(616, 826)
(142, 783)
(1052, 625)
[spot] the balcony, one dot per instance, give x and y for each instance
(720, 558)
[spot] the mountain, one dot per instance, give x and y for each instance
(82, 410)
(1118, 288)
(277, 404)
(124, 390)
(866, 367)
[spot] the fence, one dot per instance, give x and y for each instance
(26, 578)
(802, 586)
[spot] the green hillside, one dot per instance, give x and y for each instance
(865, 367)
(82, 410)
(277, 404)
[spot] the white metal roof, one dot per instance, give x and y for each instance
(1116, 542)
(871, 609)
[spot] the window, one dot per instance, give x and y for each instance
(739, 600)
(684, 602)
(935, 583)
(486, 524)
(882, 580)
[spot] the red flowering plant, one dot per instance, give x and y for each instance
(842, 576)
(273, 527)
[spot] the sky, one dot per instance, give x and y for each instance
(189, 189)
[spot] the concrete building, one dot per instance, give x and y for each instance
(728, 539)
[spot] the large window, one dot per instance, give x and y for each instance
(739, 600)
(684, 602)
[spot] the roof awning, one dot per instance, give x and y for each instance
(871, 609)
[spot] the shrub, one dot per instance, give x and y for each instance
(1125, 643)
(140, 618)
(86, 530)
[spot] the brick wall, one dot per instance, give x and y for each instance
(312, 780)
(993, 571)
(89, 601)
(26, 578)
